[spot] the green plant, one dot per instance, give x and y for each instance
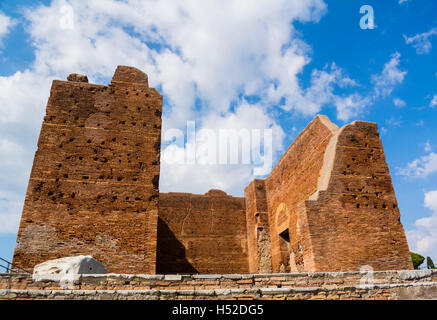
(429, 263)
(417, 259)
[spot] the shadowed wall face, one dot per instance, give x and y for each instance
(94, 183)
(201, 233)
(258, 233)
(328, 205)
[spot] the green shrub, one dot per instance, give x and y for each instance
(429, 263)
(417, 259)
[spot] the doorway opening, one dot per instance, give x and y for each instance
(284, 247)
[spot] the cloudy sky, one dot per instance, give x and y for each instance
(233, 64)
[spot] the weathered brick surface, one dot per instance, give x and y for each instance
(293, 180)
(356, 221)
(331, 204)
(258, 233)
(201, 233)
(404, 284)
(93, 188)
(328, 205)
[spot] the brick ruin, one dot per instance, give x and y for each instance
(328, 205)
(201, 233)
(94, 182)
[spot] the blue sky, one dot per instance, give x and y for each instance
(230, 64)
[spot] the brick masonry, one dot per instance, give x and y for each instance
(331, 205)
(328, 205)
(93, 188)
(201, 233)
(386, 285)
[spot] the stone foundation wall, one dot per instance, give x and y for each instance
(406, 284)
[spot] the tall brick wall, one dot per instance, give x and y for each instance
(93, 187)
(258, 233)
(201, 233)
(356, 220)
(331, 204)
(292, 181)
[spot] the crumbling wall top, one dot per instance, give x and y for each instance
(75, 77)
(130, 74)
(216, 192)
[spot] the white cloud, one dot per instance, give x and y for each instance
(421, 167)
(264, 54)
(213, 50)
(390, 76)
(399, 103)
(350, 106)
(402, 1)
(202, 177)
(421, 41)
(10, 211)
(433, 102)
(5, 25)
(423, 237)
(13, 175)
(322, 91)
(394, 122)
(204, 56)
(431, 201)
(428, 146)
(23, 97)
(207, 57)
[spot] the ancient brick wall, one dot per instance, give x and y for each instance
(93, 187)
(201, 233)
(331, 204)
(258, 233)
(328, 204)
(354, 220)
(292, 181)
